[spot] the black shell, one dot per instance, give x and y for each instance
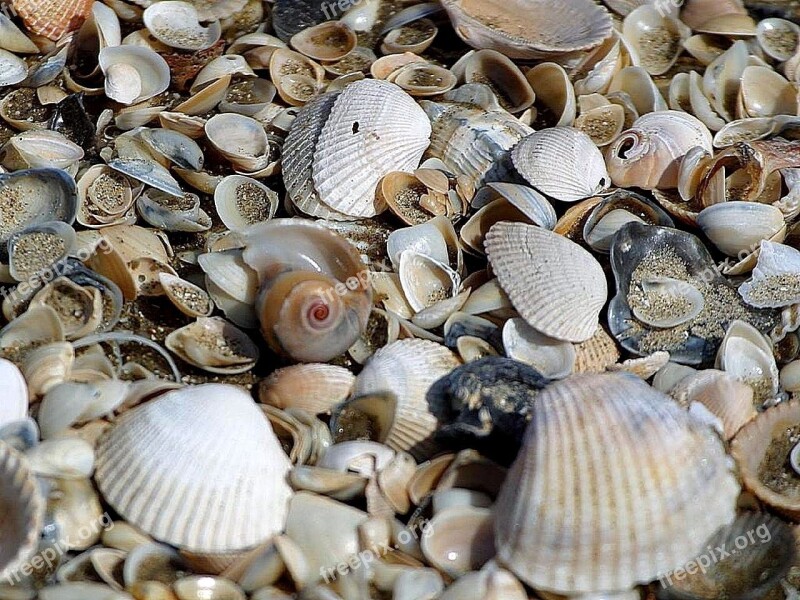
(485, 404)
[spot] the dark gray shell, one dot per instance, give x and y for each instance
(71, 120)
(291, 16)
(632, 244)
(485, 404)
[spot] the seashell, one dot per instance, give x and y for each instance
(772, 284)
(415, 36)
(561, 414)
(761, 450)
(744, 130)
(610, 215)
(211, 588)
(386, 66)
(177, 24)
(562, 162)
(460, 540)
(424, 79)
(249, 97)
(297, 78)
(214, 345)
(315, 388)
(241, 140)
(328, 41)
(778, 38)
(52, 20)
(24, 508)
(700, 104)
(602, 124)
(106, 197)
(40, 149)
(705, 48)
(192, 127)
(726, 397)
(35, 248)
(47, 366)
(314, 302)
(14, 405)
(765, 93)
(637, 83)
(70, 404)
(746, 354)
(14, 40)
(133, 73)
(365, 116)
(553, 88)
(666, 302)
(242, 201)
(69, 458)
(207, 10)
(174, 147)
(554, 359)
(543, 31)
(168, 213)
(513, 90)
(79, 308)
(360, 60)
(23, 110)
(245, 480)
(720, 223)
(596, 354)
(490, 583)
(656, 36)
(425, 281)
(749, 574)
(397, 370)
(403, 194)
(722, 79)
(561, 298)
(649, 154)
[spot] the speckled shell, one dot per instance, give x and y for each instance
(314, 387)
(407, 369)
(298, 157)
(199, 468)
(22, 507)
(562, 162)
(52, 19)
(555, 285)
(573, 518)
(374, 128)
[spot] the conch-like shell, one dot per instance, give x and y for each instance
(315, 297)
(198, 468)
(373, 128)
(52, 19)
(22, 507)
(649, 154)
(555, 285)
(628, 536)
(562, 162)
(530, 29)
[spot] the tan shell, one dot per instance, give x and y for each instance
(313, 387)
(561, 162)
(656, 36)
(373, 128)
(198, 468)
(328, 41)
(555, 285)
(632, 512)
(552, 86)
(214, 345)
(514, 91)
(533, 29)
(597, 353)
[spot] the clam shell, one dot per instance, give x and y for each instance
(243, 201)
(133, 73)
(656, 36)
(778, 38)
(721, 223)
(177, 24)
(627, 536)
(553, 88)
(775, 278)
(14, 69)
(552, 358)
(555, 285)
(373, 128)
(214, 345)
(52, 19)
(407, 369)
(533, 29)
(650, 153)
(23, 508)
(209, 10)
(217, 451)
(562, 162)
(765, 93)
(514, 91)
(315, 388)
(329, 41)
(14, 404)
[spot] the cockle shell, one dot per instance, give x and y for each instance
(23, 510)
(315, 388)
(562, 162)
(555, 285)
(534, 29)
(632, 513)
(216, 450)
(650, 153)
(52, 19)
(373, 128)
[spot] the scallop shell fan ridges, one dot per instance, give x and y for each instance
(575, 517)
(198, 468)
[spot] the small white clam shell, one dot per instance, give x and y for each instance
(656, 36)
(737, 226)
(778, 38)
(133, 73)
(765, 93)
(776, 277)
(12, 68)
(426, 281)
(214, 345)
(668, 302)
(243, 201)
(553, 358)
(177, 24)
(14, 393)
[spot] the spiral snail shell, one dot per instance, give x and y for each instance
(314, 298)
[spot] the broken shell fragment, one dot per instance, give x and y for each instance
(775, 277)
(214, 345)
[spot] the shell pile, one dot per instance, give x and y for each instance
(400, 300)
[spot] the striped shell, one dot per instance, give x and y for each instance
(52, 19)
(573, 517)
(312, 387)
(22, 507)
(407, 369)
(555, 285)
(374, 128)
(298, 157)
(199, 468)
(562, 162)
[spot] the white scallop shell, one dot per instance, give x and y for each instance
(573, 517)
(374, 128)
(198, 468)
(562, 162)
(555, 285)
